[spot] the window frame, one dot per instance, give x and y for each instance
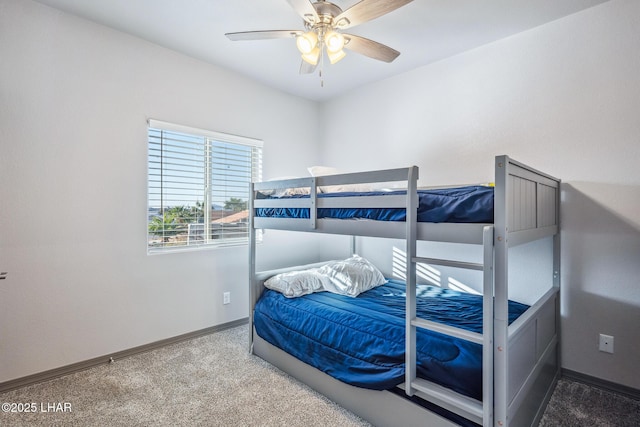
(210, 138)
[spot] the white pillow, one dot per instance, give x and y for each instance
(351, 276)
(284, 192)
(297, 283)
(322, 170)
(327, 170)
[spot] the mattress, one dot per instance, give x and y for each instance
(360, 341)
(469, 204)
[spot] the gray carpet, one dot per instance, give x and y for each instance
(575, 404)
(213, 381)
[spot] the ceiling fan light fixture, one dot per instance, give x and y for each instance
(336, 56)
(334, 41)
(307, 42)
(312, 57)
(323, 26)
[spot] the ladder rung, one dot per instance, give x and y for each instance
(450, 263)
(448, 330)
(455, 402)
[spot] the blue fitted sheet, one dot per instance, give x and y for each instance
(360, 341)
(470, 204)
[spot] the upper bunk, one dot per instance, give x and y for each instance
(524, 199)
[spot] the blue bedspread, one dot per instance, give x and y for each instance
(463, 204)
(360, 341)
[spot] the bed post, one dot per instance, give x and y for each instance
(252, 266)
(410, 240)
(556, 282)
(501, 308)
(487, 327)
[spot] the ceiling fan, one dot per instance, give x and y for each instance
(323, 23)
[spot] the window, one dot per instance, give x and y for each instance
(198, 187)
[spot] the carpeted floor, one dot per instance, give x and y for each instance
(213, 381)
(575, 404)
(208, 381)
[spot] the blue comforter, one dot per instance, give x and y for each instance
(463, 204)
(360, 341)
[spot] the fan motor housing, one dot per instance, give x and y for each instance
(326, 11)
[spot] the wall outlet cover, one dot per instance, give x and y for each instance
(606, 343)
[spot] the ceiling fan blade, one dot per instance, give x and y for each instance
(306, 10)
(306, 68)
(370, 48)
(366, 10)
(263, 35)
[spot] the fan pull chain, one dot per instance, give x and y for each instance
(321, 64)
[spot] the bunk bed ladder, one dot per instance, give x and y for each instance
(480, 412)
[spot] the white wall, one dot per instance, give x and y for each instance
(74, 99)
(563, 98)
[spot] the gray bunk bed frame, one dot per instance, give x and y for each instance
(520, 361)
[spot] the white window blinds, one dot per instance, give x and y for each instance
(198, 187)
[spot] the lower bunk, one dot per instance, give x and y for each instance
(352, 350)
(392, 408)
(379, 407)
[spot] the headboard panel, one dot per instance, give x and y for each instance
(547, 205)
(533, 204)
(530, 201)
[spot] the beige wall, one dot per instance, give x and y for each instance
(563, 98)
(74, 100)
(74, 97)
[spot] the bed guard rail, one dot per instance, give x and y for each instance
(408, 175)
(315, 186)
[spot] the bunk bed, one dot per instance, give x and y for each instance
(518, 353)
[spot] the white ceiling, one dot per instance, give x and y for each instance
(423, 31)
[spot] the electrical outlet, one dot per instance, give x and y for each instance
(226, 298)
(606, 343)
